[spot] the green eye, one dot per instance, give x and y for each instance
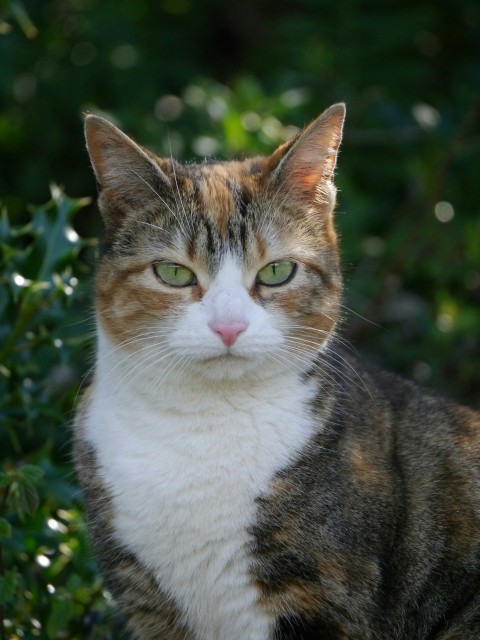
(276, 273)
(175, 275)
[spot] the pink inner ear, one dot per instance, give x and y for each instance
(308, 162)
(305, 180)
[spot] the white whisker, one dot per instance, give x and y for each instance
(152, 358)
(149, 224)
(189, 222)
(349, 310)
(162, 200)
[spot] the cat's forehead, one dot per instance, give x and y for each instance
(223, 189)
(222, 204)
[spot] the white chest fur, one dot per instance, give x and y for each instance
(184, 475)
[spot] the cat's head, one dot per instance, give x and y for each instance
(221, 269)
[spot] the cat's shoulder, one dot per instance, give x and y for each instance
(410, 410)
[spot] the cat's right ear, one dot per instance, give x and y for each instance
(127, 175)
(305, 165)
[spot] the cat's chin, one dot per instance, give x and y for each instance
(226, 367)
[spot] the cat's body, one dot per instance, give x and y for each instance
(246, 478)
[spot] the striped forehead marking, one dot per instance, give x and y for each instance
(221, 208)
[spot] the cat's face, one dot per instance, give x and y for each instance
(224, 269)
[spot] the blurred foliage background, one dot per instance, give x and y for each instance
(218, 79)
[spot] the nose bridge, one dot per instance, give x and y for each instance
(228, 305)
(227, 299)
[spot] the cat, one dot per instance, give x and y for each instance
(245, 476)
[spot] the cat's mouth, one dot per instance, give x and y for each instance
(224, 366)
(225, 357)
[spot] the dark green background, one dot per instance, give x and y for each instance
(226, 78)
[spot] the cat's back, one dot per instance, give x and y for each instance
(381, 513)
(415, 432)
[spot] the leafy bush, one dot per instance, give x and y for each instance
(49, 587)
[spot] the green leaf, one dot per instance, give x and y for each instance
(9, 584)
(4, 224)
(23, 19)
(31, 473)
(23, 498)
(62, 612)
(5, 529)
(29, 499)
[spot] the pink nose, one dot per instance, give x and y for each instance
(228, 332)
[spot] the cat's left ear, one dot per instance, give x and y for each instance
(305, 165)
(127, 174)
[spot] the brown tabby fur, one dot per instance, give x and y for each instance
(373, 533)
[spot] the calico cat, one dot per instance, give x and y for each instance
(245, 477)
